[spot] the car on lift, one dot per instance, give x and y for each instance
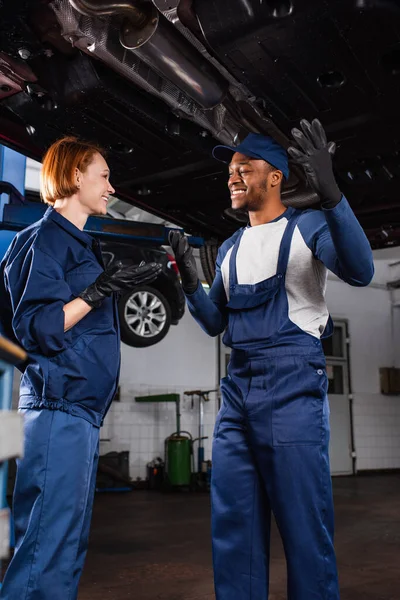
(147, 311)
(160, 82)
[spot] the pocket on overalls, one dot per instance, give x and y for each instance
(253, 312)
(298, 406)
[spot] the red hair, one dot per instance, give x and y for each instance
(57, 178)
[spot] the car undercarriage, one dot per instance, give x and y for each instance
(159, 83)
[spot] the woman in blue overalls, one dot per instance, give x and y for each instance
(59, 303)
(270, 449)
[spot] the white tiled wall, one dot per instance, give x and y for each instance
(377, 430)
(373, 344)
(142, 428)
(185, 360)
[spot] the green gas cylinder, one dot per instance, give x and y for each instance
(179, 459)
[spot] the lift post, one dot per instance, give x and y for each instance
(202, 396)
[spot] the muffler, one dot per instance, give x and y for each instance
(155, 41)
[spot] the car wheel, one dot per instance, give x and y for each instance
(145, 317)
(208, 257)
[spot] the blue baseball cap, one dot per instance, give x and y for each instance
(258, 146)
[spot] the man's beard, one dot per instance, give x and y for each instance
(253, 204)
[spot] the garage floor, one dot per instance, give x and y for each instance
(145, 545)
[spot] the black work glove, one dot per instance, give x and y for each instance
(185, 261)
(314, 154)
(119, 278)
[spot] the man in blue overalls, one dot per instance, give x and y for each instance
(270, 449)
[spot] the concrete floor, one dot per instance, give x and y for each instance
(145, 545)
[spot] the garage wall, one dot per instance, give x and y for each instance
(184, 360)
(187, 359)
(372, 345)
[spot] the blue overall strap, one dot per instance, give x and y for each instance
(232, 262)
(286, 241)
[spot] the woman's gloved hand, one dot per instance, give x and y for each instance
(314, 154)
(119, 278)
(185, 261)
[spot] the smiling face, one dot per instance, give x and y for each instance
(251, 182)
(94, 187)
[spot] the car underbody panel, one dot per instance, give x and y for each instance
(159, 83)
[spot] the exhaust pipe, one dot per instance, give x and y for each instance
(147, 33)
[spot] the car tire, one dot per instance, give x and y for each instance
(145, 317)
(208, 257)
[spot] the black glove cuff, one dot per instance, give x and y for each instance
(331, 202)
(190, 288)
(92, 296)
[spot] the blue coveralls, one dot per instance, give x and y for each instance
(270, 447)
(67, 386)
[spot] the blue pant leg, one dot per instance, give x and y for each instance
(307, 529)
(50, 506)
(240, 509)
(84, 539)
(28, 502)
(294, 462)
